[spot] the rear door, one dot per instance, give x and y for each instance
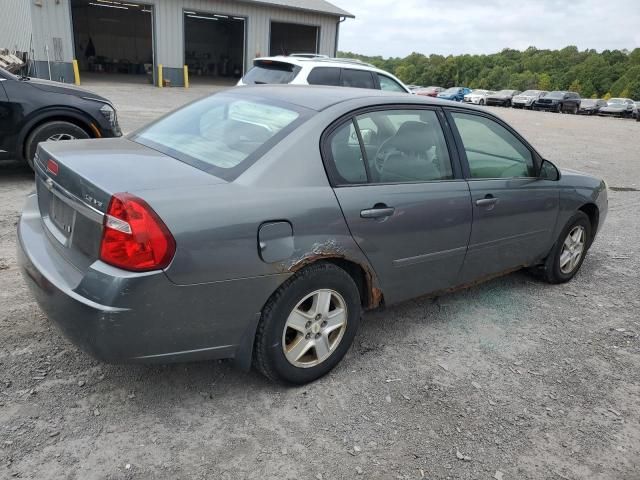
(403, 197)
(514, 212)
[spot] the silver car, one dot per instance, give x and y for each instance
(527, 98)
(259, 223)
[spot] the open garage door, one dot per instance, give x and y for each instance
(288, 38)
(114, 38)
(214, 46)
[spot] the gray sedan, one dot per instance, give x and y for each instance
(258, 224)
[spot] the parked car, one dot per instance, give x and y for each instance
(636, 111)
(559, 101)
(617, 107)
(527, 98)
(503, 98)
(34, 111)
(454, 93)
(338, 72)
(429, 91)
(414, 88)
(477, 96)
(218, 232)
(589, 106)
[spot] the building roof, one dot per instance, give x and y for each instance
(317, 6)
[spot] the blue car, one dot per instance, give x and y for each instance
(454, 93)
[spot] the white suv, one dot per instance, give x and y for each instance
(307, 69)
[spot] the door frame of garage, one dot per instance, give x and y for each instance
(317, 27)
(152, 13)
(245, 30)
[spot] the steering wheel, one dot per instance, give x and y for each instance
(384, 152)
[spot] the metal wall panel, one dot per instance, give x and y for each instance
(15, 25)
(51, 19)
(169, 26)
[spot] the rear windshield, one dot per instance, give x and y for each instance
(221, 134)
(271, 73)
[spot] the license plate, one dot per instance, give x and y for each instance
(62, 215)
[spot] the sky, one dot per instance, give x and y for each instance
(399, 27)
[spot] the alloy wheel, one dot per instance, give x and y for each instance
(60, 137)
(314, 328)
(572, 250)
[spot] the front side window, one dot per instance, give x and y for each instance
(221, 134)
(492, 151)
(389, 85)
(357, 79)
(324, 76)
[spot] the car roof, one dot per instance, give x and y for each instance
(320, 61)
(316, 97)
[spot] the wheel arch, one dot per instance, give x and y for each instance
(371, 297)
(593, 212)
(75, 117)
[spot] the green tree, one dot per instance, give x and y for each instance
(575, 87)
(544, 82)
(587, 71)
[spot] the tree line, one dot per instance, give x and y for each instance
(610, 73)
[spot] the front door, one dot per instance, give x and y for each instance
(403, 198)
(6, 125)
(514, 212)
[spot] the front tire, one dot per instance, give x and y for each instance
(51, 131)
(568, 253)
(308, 325)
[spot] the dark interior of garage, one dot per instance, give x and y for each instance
(214, 45)
(288, 38)
(113, 39)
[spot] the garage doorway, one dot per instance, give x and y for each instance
(114, 40)
(214, 47)
(288, 38)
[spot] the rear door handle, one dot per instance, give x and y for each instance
(377, 212)
(486, 202)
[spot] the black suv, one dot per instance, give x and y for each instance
(34, 111)
(566, 102)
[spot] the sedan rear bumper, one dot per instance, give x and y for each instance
(123, 317)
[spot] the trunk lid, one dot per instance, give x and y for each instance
(74, 191)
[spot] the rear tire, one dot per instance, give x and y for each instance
(293, 323)
(51, 131)
(569, 251)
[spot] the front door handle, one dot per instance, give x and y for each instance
(488, 201)
(381, 211)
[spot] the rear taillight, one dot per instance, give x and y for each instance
(134, 237)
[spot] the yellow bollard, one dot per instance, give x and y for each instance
(76, 72)
(186, 77)
(160, 81)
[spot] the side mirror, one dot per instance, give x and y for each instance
(548, 171)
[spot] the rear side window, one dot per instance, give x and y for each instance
(221, 134)
(271, 73)
(347, 155)
(390, 85)
(357, 79)
(324, 76)
(390, 146)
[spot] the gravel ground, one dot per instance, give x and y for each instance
(513, 379)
